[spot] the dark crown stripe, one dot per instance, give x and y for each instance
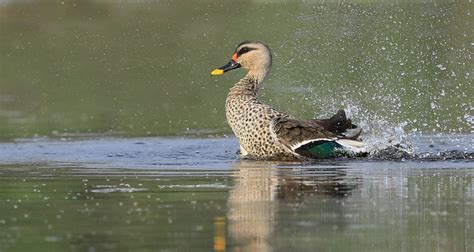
(245, 42)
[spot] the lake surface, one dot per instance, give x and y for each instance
(179, 194)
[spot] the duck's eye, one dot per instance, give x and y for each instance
(243, 50)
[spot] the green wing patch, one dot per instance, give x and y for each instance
(319, 149)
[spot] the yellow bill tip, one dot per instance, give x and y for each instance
(217, 72)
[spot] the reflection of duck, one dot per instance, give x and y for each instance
(260, 190)
(266, 133)
(331, 185)
(251, 206)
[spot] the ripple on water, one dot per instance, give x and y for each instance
(118, 189)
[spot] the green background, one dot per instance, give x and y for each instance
(137, 68)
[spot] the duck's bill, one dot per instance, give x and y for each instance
(227, 67)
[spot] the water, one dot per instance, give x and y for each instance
(175, 194)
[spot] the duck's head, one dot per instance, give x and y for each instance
(253, 56)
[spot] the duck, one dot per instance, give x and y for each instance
(266, 133)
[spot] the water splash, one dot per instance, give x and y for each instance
(384, 139)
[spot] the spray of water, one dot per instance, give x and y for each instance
(384, 139)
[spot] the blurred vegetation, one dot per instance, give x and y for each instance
(138, 68)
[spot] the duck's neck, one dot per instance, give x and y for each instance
(250, 83)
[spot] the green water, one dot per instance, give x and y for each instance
(194, 194)
(139, 68)
(250, 207)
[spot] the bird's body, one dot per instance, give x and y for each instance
(266, 133)
(251, 122)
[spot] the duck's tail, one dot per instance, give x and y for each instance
(340, 125)
(327, 148)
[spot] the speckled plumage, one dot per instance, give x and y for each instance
(251, 122)
(264, 132)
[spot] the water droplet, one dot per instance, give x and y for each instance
(441, 67)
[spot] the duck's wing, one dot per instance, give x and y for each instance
(291, 132)
(310, 139)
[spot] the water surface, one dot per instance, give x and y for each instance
(175, 194)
